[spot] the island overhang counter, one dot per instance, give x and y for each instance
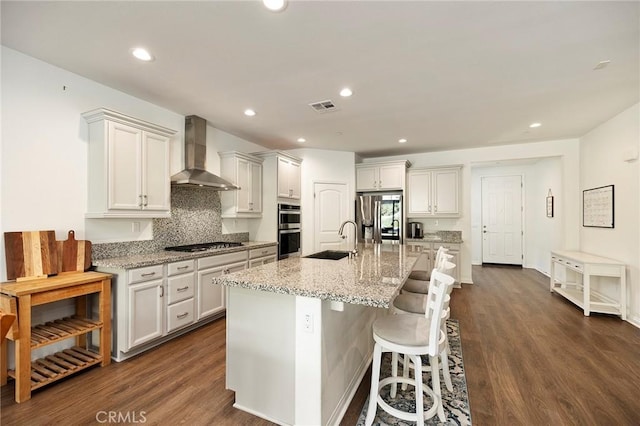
(299, 334)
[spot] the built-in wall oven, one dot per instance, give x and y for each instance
(288, 230)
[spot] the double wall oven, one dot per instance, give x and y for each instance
(288, 230)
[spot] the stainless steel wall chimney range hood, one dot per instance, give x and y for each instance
(195, 152)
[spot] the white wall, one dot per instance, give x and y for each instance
(602, 156)
(568, 152)
(322, 166)
(541, 234)
(44, 149)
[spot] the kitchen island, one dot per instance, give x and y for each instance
(299, 334)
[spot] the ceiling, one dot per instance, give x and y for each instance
(444, 75)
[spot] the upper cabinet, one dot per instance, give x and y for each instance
(381, 176)
(129, 172)
(288, 178)
(245, 171)
(433, 192)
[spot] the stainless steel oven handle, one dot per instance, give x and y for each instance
(289, 212)
(289, 226)
(289, 231)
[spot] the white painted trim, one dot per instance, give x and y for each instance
(257, 414)
(635, 320)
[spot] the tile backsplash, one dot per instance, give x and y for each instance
(195, 218)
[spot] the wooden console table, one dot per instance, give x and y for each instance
(580, 267)
(20, 297)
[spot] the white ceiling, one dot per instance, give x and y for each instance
(444, 75)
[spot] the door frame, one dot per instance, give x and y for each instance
(523, 211)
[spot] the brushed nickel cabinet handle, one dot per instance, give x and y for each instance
(148, 274)
(185, 288)
(183, 267)
(180, 316)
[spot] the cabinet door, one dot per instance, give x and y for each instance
(255, 203)
(283, 178)
(294, 180)
(145, 312)
(243, 180)
(418, 189)
(124, 179)
(211, 296)
(391, 176)
(156, 181)
(367, 178)
(445, 192)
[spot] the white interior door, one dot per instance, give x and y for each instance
(332, 206)
(502, 220)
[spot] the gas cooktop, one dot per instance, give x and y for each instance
(203, 246)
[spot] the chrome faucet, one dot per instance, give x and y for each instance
(353, 252)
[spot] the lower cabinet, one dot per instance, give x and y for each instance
(211, 299)
(261, 256)
(429, 249)
(153, 303)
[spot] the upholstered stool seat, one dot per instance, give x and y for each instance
(420, 275)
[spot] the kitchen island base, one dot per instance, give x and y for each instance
(294, 359)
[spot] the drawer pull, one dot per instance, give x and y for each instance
(180, 316)
(185, 288)
(183, 267)
(148, 274)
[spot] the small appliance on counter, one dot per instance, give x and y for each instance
(415, 230)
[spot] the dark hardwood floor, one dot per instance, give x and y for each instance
(531, 358)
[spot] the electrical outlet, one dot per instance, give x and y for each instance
(307, 323)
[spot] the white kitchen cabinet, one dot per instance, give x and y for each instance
(181, 283)
(288, 178)
(245, 171)
(128, 167)
(433, 192)
(429, 249)
(381, 176)
(262, 256)
(211, 299)
(145, 307)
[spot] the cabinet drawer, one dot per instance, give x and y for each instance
(145, 274)
(180, 288)
(180, 314)
(182, 267)
(264, 251)
(451, 247)
(221, 259)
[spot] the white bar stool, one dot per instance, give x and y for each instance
(424, 275)
(413, 335)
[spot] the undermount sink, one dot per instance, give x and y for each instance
(329, 254)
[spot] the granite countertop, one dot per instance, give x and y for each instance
(372, 278)
(160, 257)
(445, 237)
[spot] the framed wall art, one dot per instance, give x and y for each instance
(597, 207)
(550, 206)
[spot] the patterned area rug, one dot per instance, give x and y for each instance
(456, 403)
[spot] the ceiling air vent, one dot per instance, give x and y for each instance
(323, 106)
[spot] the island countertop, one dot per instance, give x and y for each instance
(372, 278)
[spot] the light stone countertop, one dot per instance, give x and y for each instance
(372, 278)
(160, 257)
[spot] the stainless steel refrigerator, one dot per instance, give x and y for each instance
(379, 217)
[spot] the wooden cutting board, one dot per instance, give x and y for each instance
(30, 254)
(74, 255)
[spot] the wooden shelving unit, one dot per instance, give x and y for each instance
(19, 298)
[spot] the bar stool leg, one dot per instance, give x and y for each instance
(417, 371)
(375, 378)
(435, 385)
(394, 373)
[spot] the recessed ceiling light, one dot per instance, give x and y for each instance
(403, 140)
(142, 54)
(302, 140)
(534, 125)
(601, 64)
(249, 112)
(346, 92)
(275, 5)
